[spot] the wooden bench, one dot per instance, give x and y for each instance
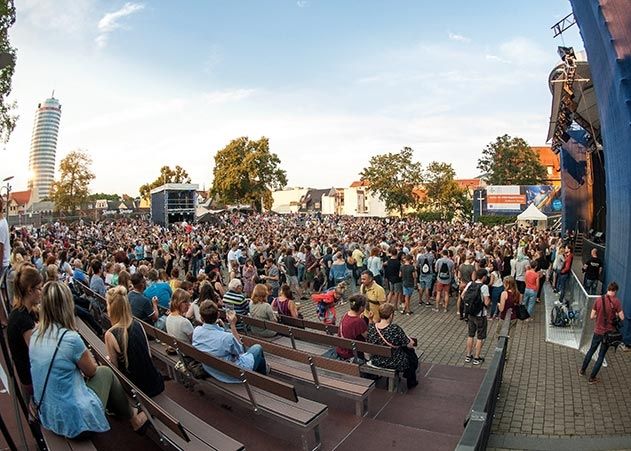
(309, 338)
(54, 442)
(264, 395)
(175, 423)
(339, 377)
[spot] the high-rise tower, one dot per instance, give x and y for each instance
(43, 147)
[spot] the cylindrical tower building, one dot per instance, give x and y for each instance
(43, 148)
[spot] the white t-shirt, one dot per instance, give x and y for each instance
(180, 328)
(4, 239)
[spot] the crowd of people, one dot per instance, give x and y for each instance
(181, 278)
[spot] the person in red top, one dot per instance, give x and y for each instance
(605, 310)
(353, 325)
(326, 303)
(564, 275)
(531, 279)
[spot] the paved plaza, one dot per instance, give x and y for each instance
(544, 403)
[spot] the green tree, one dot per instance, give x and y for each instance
(167, 175)
(511, 161)
(247, 172)
(99, 196)
(7, 67)
(443, 192)
(393, 176)
(72, 189)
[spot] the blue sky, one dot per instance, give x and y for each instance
(331, 83)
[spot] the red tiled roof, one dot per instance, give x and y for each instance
(468, 183)
(359, 183)
(21, 197)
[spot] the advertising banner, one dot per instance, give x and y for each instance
(513, 199)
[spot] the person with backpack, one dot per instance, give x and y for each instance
(444, 275)
(425, 263)
(465, 275)
(476, 300)
(607, 312)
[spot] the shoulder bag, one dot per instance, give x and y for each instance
(614, 337)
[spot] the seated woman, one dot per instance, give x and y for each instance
(284, 304)
(385, 333)
(177, 324)
(27, 290)
(260, 309)
(67, 404)
(353, 325)
(213, 339)
(127, 345)
(206, 293)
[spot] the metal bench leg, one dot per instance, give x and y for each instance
(392, 383)
(361, 407)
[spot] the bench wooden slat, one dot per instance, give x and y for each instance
(198, 428)
(156, 411)
(56, 442)
(305, 323)
(266, 383)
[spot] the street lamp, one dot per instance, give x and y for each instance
(7, 187)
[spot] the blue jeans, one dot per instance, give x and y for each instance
(596, 341)
(529, 300)
(260, 365)
(591, 286)
(562, 283)
(496, 293)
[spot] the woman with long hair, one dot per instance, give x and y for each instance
(27, 294)
(284, 303)
(127, 345)
(67, 404)
(260, 309)
(176, 323)
(206, 292)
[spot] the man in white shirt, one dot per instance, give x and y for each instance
(5, 245)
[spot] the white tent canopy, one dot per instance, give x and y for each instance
(532, 213)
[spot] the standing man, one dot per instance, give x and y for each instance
(445, 274)
(564, 275)
(375, 294)
(476, 294)
(291, 267)
(593, 269)
(5, 244)
(272, 276)
(425, 265)
(605, 310)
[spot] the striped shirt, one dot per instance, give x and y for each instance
(237, 302)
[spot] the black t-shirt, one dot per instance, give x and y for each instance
(290, 265)
(20, 321)
(391, 270)
(593, 268)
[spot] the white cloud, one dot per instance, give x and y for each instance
(67, 16)
(458, 37)
(302, 3)
(228, 95)
(496, 58)
(111, 21)
(523, 51)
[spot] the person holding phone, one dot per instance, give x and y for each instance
(212, 338)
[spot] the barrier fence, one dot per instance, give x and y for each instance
(480, 419)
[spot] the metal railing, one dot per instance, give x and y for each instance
(480, 419)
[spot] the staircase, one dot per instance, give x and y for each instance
(578, 243)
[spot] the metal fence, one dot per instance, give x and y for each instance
(480, 419)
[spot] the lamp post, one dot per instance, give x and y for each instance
(7, 187)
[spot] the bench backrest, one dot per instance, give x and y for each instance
(266, 383)
(338, 366)
(315, 337)
(307, 324)
(98, 347)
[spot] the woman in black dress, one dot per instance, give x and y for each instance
(127, 345)
(385, 333)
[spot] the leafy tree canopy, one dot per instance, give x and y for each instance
(511, 161)
(443, 192)
(99, 196)
(7, 67)
(167, 175)
(393, 177)
(73, 187)
(247, 172)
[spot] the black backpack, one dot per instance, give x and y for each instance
(425, 268)
(472, 299)
(443, 272)
(559, 317)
